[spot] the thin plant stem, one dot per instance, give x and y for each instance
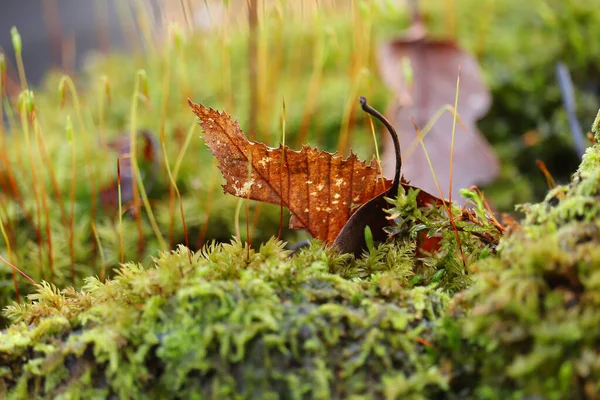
(9, 226)
(15, 189)
(427, 128)
(2, 94)
(16, 39)
(10, 256)
(2, 147)
(248, 207)
(453, 135)
(313, 90)
(362, 39)
(163, 113)
(71, 138)
(12, 127)
(174, 186)
(253, 67)
(186, 14)
(186, 145)
(3, 156)
(120, 199)
(68, 82)
(181, 65)
(137, 212)
(347, 116)
(493, 218)
(101, 251)
(134, 163)
(26, 97)
(549, 179)
(163, 116)
(19, 271)
(127, 21)
(283, 163)
(447, 205)
(143, 16)
(104, 99)
(50, 168)
(209, 199)
(36, 128)
(372, 126)
(236, 217)
(172, 195)
(256, 217)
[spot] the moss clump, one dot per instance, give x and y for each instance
(533, 311)
(223, 323)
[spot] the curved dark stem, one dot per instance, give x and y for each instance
(368, 109)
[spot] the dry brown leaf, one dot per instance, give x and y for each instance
(321, 190)
(435, 66)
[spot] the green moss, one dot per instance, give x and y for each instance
(532, 312)
(228, 323)
(232, 322)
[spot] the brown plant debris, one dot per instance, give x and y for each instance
(321, 190)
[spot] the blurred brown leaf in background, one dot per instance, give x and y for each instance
(420, 94)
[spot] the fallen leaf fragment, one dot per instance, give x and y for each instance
(321, 190)
(332, 198)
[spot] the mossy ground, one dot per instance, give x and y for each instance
(533, 310)
(225, 323)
